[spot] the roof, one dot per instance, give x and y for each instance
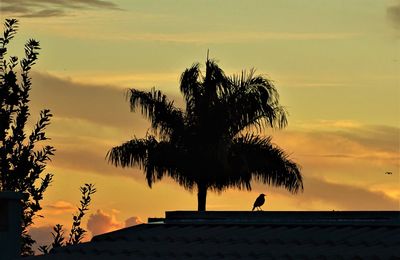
(249, 235)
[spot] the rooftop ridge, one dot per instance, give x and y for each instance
(283, 217)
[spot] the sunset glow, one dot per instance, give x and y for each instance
(334, 63)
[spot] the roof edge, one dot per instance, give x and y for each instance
(284, 217)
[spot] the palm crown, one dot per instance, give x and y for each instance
(209, 145)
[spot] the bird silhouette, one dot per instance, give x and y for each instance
(388, 173)
(259, 202)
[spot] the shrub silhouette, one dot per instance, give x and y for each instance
(21, 163)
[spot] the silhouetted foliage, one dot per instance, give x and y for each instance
(58, 239)
(77, 233)
(210, 144)
(21, 163)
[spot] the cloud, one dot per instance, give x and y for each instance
(88, 121)
(340, 151)
(98, 104)
(380, 138)
(14, 9)
(42, 235)
(393, 15)
(229, 37)
(51, 8)
(320, 194)
(56, 212)
(93, 160)
(59, 207)
(345, 197)
(205, 37)
(133, 221)
(102, 222)
(44, 13)
(342, 156)
(98, 223)
(342, 139)
(343, 164)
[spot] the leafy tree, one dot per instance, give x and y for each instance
(21, 163)
(77, 233)
(210, 146)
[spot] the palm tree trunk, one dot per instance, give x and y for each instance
(201, 196)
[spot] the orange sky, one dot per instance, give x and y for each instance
(334, 63)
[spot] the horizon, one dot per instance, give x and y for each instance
(334, 64)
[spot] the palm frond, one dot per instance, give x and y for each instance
(164, 116)
(265, 162)
(215, 82)
(259, 103)
(190, 87)
(131, 153)
(156, 158)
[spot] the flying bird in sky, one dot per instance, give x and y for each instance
(259, 202)
(388, 173)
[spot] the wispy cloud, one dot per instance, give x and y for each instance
(226, 37)
(203, 37)
(346, 197)
(51, 8)
(357, 139)
(60, 207)
(320, 194)
(44, 13)
(393, 14)
(124, 80)
(329, 146)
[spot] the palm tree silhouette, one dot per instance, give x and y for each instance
(209, 146)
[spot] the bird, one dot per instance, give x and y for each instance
(259, 202)
(388, 173)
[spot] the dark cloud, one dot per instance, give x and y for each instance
(51, 8)
(80, 113)
(44, 13)
(393, 14)
(92, 161)
(382, 138)
(14, 9)
(98, 104)
(42, 236)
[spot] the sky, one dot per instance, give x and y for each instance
(335, 65)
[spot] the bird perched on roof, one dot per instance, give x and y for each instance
(259, 202)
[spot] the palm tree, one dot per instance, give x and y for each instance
(209, 146)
